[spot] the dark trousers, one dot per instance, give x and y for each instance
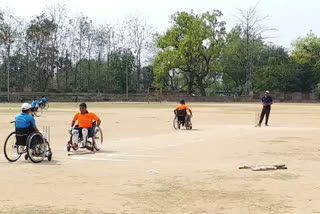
(22, 135)
(265, 112)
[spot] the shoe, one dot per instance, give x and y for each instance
(21, 149)
(90, 148)
(266, 125)
(258, 125)
(75, 146)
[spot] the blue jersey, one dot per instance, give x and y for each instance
(24, 121)
(35, 103)
(43, 99)
(266, 100)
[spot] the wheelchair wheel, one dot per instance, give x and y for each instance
(69, 144)
(36, 147)
(38, 113)
(46, 107)
(68, 147)
(11, 149)
(176, 124)
(41, 105)
(188, 123)
(97, 139)
(49, 155)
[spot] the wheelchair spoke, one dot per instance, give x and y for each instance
(36, 147)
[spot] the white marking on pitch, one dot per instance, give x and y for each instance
(134, 156)
(99, 159)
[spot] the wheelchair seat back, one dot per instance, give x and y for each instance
(181, 114)
(91, 130)
(22, 136)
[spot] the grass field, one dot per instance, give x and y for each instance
(148, 167)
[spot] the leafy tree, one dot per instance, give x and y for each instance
(234, 63)
(148, 76)
(306, 55)
(122, 63)
(191, 47)
(279, 74)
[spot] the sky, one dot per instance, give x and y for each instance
(291, 18)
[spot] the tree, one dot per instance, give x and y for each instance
(253, 32)
(139, 35)
(39, 37)
(122, 63)
(306, 55)
(191, 49)
(10, 34)
(148, 76)
(279, 73)
(234, 63)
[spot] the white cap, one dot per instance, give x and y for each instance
(268, 92)
(25, 106)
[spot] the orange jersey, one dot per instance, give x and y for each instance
(183, 107)
(85, 120)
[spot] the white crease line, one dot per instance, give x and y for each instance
(197, 140)
(99, 159)
(138, 156)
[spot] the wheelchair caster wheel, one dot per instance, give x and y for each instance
(26, 157)
(50, 156)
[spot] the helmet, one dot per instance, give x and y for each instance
(267, 92)
(182, 102)
(25, 106)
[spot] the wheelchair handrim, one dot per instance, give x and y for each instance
(9, 143)
(97, 143)
(36, 150)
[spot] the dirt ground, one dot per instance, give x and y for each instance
(148, 167)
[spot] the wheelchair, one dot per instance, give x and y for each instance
(33, 144)
(94, 133)
(36, 111)
(182, 119)
(44, 106)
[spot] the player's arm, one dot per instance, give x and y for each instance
(175, 110)
(33, 122)
(97, 119)
(188, 109)
(75, 118)
(271, 102)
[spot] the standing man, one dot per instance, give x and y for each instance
(266, 101)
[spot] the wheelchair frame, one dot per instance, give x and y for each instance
(28, 151)
(69, 144)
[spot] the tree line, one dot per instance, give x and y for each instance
(196, 54)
